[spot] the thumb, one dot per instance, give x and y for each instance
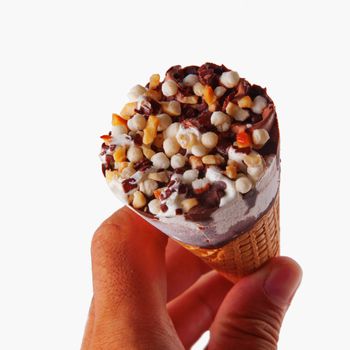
(251, 315)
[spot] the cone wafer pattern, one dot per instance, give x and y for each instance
(246, 253)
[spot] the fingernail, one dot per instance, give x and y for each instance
(282, 283)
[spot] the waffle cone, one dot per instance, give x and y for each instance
(247, 252)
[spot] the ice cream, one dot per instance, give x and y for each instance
(196, 154)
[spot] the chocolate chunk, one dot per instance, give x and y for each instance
(138, 140)
(200, 107)
(188, 112)
(183, 188)
(148, 107)
(105, 147)
(180, 170)
(110, 162)
(142, 165)
(210, 73)
(175, 73)
(184, 91)
(211, 198)
(166, 193)
(254, 118)
(163, 207)
(178, 211)
(230, 97)
(242, 88)
(190, 70)
(245, 150)
(104, 168)
(199, 213)
(129, 184)
(223, 145)
(202, 122)
(256, 90)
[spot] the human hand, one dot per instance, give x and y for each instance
(150, 293)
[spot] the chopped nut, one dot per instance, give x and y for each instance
(212, 107)
(119, 130)
(158, 141)
(208, 94)
(154, 206)
(210, 139)
(110, 174)
(154, 94)
(231, 171)
(221, 120)
(200, 185)
(189, 176)
(171, 130)
(199, 150)
(243, 184)
(127, 172)
(231, 109)
(123, 165)
(148, 186)
(154, 81)
(209, 159)
(241, 114)
(259, 104)
(150, 132)
(139, 200)
(229, 79)
(260, 137)
(219, 91)
(187, 139)
(136, 92)
(134, 154)
(245, 102)
(128, 110)
(164, 121)
(118, 120)
(195, 162)
(188, 204)
(219, 158)
(160, 161)
(198, 89)
(191, 100)
(119, 154)
(160, 177)
(172, 108)
(177, 161)
(170, 146)
(137, 122)
(158, 192)
(190, 80)
(148, 152)
(253, 159)
(169, 88)
(255, 172)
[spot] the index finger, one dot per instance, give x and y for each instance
(128, 264)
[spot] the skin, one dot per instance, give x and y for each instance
(150, 293)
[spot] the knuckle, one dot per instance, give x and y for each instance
(259, 328)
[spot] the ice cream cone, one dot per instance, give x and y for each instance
(247, 252)
(202, 168)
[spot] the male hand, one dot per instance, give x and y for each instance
(150, 293)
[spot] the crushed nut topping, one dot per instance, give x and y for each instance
(171, 132)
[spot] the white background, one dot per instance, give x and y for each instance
(67, 65)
